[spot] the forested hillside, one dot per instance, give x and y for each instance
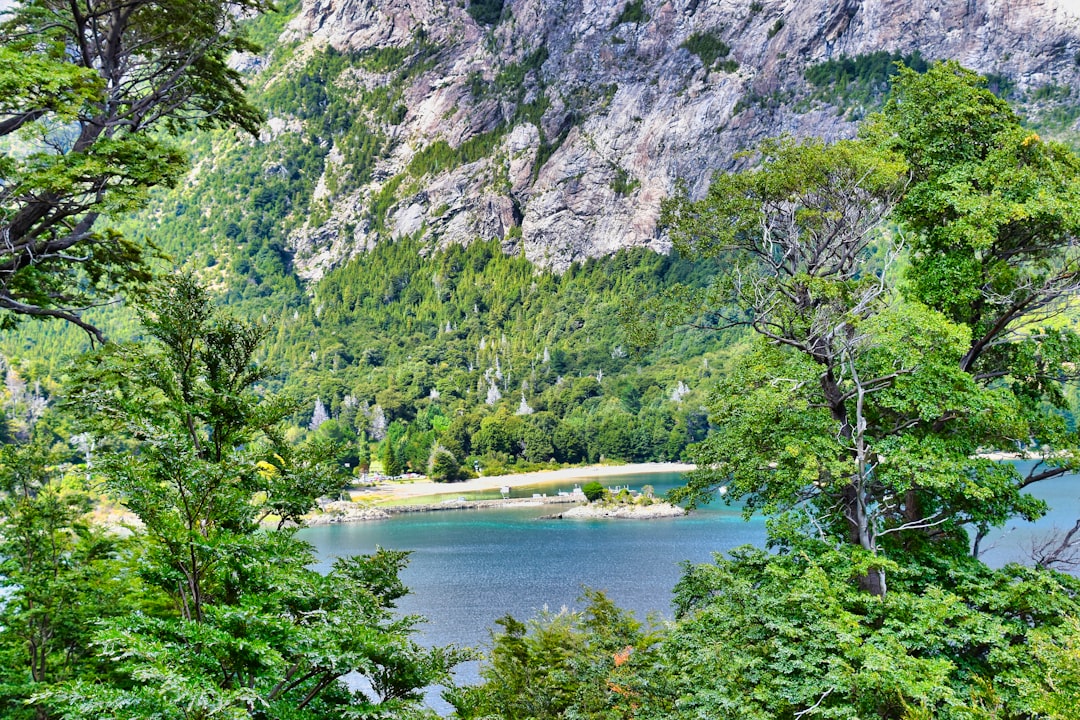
(429, 350)
(409, 345)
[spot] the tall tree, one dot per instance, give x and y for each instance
(869, 407)
(798, 231)
(89, 92)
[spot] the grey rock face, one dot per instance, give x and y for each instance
(627, 109)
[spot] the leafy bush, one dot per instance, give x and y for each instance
(708, 47)
(623, 184)
(594, 491)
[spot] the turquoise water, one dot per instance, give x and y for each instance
(470, 567)
(1013, 542)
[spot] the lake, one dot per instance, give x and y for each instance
(470, 567)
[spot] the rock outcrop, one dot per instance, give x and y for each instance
(593, 109)
(620, 511)
(344, 512)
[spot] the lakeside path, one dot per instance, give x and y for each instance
(389, 492)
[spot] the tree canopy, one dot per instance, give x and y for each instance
(89, 93)
(213, 612)
(866, 405)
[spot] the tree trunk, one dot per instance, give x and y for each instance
(854, 511)
(873, 582)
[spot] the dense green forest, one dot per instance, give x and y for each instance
(479, 354)
(872, 315)
(399, 340)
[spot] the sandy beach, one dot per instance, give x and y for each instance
(405, 489)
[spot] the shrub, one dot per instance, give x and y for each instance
(708, 47)
(594, 491)
(622, 184)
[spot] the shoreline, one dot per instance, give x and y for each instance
(346, 512)
(1001, 455)
(389, 492)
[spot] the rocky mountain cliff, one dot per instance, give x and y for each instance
(560, 125)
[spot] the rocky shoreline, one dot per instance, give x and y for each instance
(624, 511)
(344, 512)
(347, 512)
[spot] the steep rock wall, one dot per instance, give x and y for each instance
(604, 116)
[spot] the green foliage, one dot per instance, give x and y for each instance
(855, 83)
(94, 98)
(420, 340)
(1052, 109)
(865, 412)
(264, 29)
(384, 200)
(61, 573)
(593, 491)
(633, 12)
(1001, 85)
(993, 205)
(710, 49)
(776, 27)
(439, 156)
(1056, 692)
(189, 401)
(554, 666)
(445, 467)
(237, 218)
(392, 467)
(623, 184)
(512, 84)
(252, 630)
(384, 59)
(512, 77)
(763, 636)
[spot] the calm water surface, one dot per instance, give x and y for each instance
(470, 567)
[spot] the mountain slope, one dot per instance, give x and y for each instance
(582, 115)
